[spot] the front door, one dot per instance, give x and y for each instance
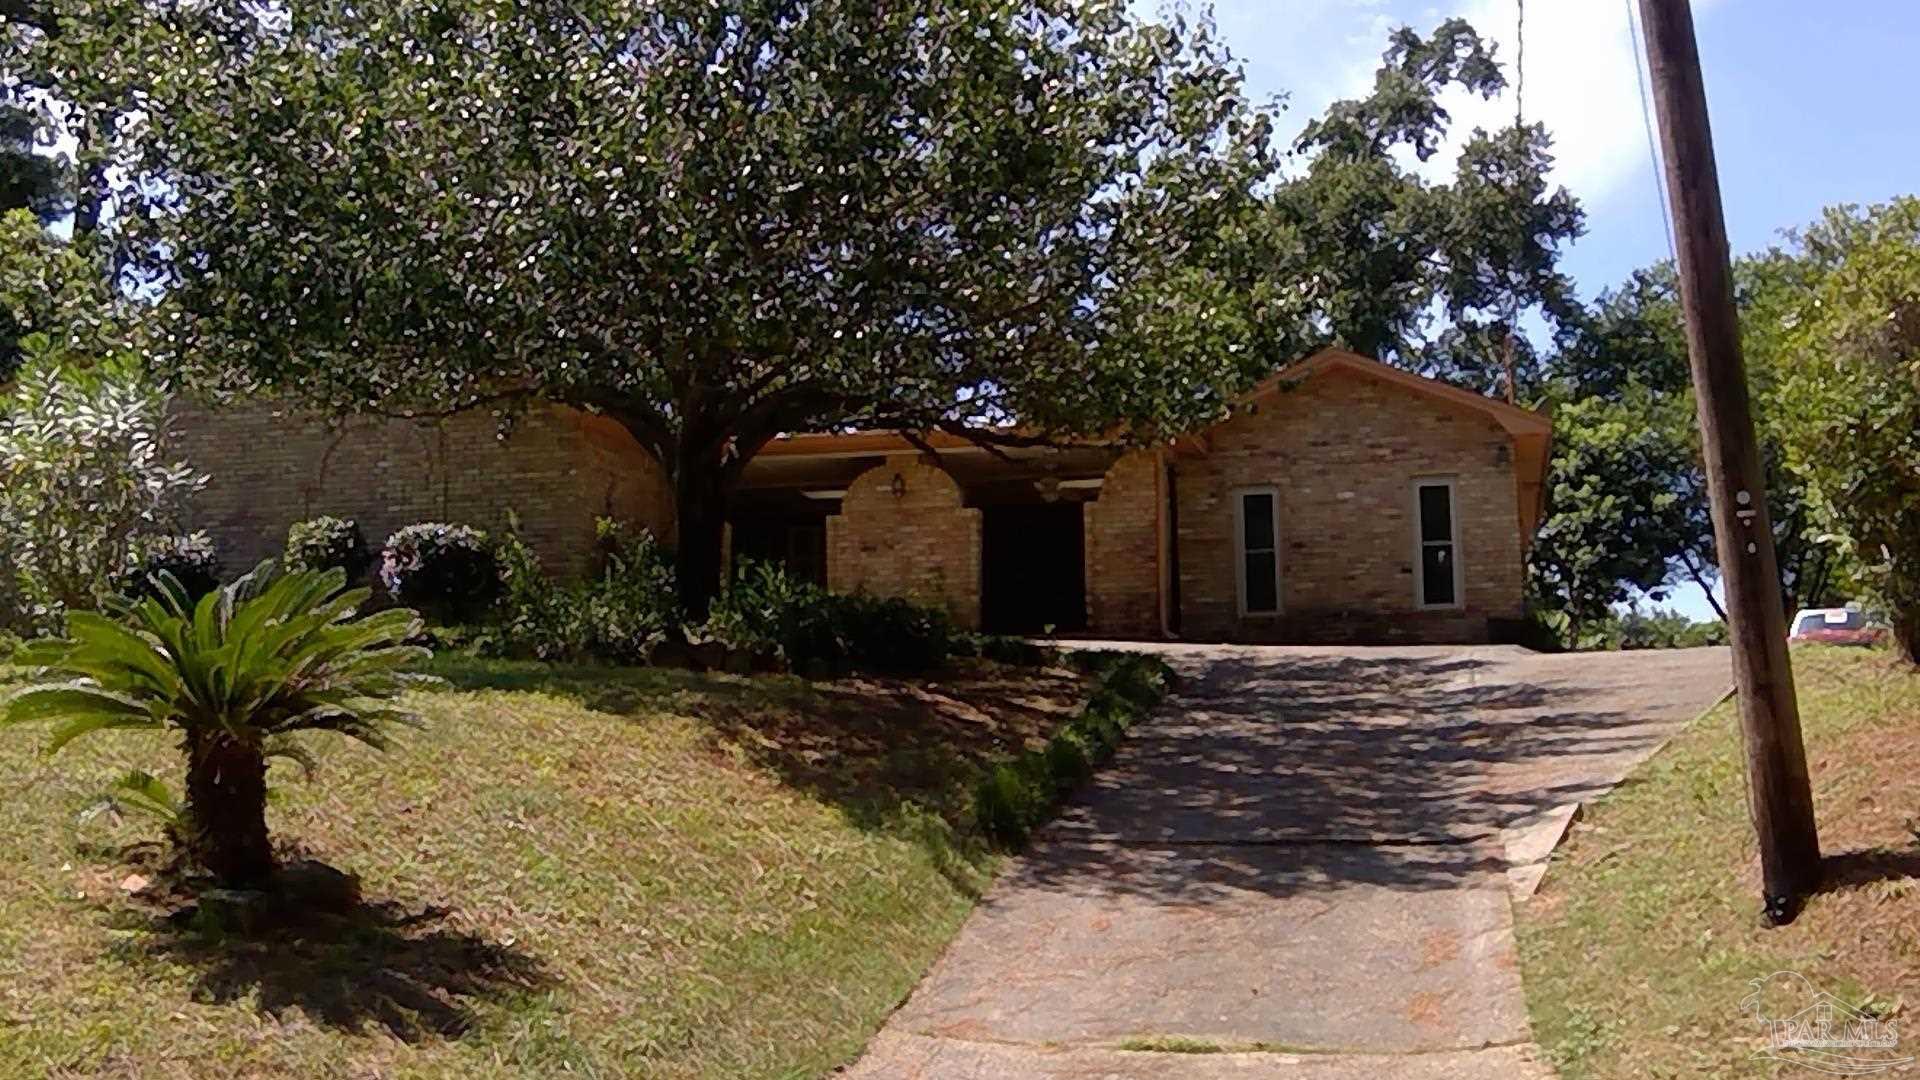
(1033, 568)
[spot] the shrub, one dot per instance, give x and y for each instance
(1017, 796)
(190, 559)
(85, 480)
(1002, 806)
(621, 615)
(766, 609)
(234, 682)
(1851, 398)
(891, 635)
(448, 571)
(326, 543)
(632, 606)
(539, 619)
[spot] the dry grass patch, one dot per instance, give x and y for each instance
(1641, 946)
(588, 871)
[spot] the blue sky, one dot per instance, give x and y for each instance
(1811, 105)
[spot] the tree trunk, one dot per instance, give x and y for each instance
(1906, 633)
(700, 502)
(227, 808)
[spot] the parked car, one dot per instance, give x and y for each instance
(1835, 626)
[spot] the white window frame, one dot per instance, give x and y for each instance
(1240, 551)
(1453, 540)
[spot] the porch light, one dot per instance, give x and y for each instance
(899, 486)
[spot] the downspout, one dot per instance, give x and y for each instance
(1166, 523)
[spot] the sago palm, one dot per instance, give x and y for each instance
(234, 675)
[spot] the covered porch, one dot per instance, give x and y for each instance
(1004, 539)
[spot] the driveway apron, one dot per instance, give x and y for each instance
(1302, 862)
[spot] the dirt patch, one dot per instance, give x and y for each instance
(1868, 801)
(869, 743)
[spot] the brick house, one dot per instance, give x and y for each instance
(1344, 500)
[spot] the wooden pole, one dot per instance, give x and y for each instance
(1782, 797)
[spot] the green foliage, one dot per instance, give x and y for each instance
(1379, 250)
(86, 484)
(1621, 484)
(764, 608)
(30, 181)
(49, 288)
(139, 792)
(326, 543)
(235, 676)
(1854, 379)
(1627, 501)
(1017, 796)
(450, 571)
(1003, 649)
(1656, 628)
(621, 615)
(631, 607)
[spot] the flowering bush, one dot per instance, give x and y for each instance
(449, 571)
(324, 543)
(86, 481)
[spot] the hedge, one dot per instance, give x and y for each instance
(1020, 795)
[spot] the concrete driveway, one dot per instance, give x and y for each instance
(1304, 860)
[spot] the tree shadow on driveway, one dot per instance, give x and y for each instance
(1286, 772)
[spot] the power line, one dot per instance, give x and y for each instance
(1519, 126)
(1646, 120)
(1520, 62)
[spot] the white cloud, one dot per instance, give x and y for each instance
(1580, 82)
(1580, 78)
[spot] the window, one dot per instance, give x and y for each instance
(1437, 545)
(1257, 538)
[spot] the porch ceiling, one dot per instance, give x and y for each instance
(971, 467)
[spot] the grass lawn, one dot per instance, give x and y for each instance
(588, 872)
(1640, 948)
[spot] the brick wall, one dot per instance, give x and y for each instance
(1343, 451)
(1123, 549)
(557, 470)
(923, 545)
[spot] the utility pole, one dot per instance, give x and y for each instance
(1782, 797)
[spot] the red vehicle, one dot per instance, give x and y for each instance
(1835, 626)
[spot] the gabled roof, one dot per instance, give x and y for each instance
(1531, 431)
(1516, 420)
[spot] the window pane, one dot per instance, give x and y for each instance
(1263, 582)
(1436, 573)
(1256, 518)
(1436, 512)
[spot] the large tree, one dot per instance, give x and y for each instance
(1429, 275)
(1851, 399)
(1628, 505)
(717, 222)
(49, 288)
